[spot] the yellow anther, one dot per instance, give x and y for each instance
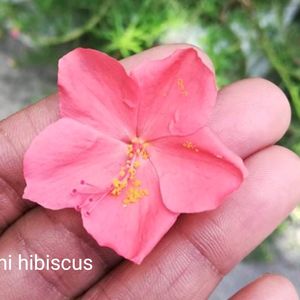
(137, 183)
(116, 182)
(189, 145)
(134, 194)
(180, 83)
(130, 155)
(118, 186)
(145, 154)
(114, 192)
(130, 150)
(124, 183)
(132, 173)
(181, 86)
(136, 164)
(127, 178)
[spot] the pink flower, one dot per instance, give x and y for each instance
(131, 151)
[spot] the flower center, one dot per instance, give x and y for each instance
(127, 179)
(126, 184)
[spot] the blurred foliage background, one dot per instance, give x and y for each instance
(243, 37)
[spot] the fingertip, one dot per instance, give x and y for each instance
(287, 159)
(281, 170)
(268, 286)
(251, 114)
(276, 99)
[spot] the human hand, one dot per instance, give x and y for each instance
(198, 251)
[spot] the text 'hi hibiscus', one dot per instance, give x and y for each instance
(132, 151)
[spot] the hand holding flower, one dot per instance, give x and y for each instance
(194, 255)
(132, 151)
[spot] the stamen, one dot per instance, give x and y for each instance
(87, 193)
(127, 176)
(189, 145)
(136, 164)
(126, 183)
(181, 86)
(134, 194)
(137, 183)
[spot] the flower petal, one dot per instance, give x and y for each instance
(195, 172)
(132, 230)
(95, 89)
(68, 160)
(177, 94)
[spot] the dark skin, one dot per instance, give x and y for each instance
(250, 116)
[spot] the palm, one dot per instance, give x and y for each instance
(200, 249)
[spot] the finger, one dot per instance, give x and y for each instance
(191, 260)
(267, 287)
(250, 114)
